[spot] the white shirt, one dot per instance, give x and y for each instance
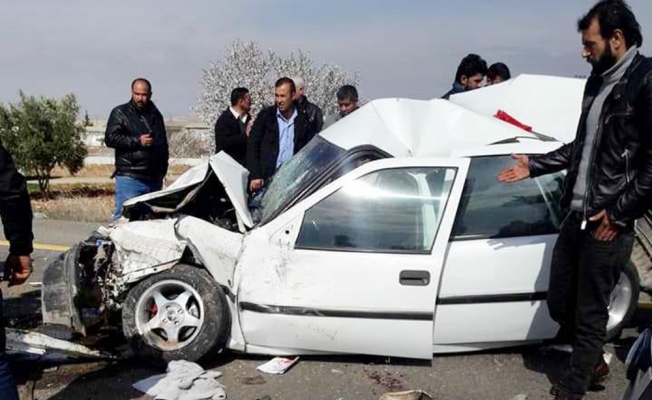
(238, 116)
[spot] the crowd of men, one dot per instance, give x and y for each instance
(608, 184)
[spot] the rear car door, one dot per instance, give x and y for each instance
(495, 281)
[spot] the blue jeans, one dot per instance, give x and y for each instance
(7, 384)
(127, 188)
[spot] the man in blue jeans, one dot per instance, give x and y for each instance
(137, 133)
(16, 214)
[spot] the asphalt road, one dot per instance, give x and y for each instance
(499, 375)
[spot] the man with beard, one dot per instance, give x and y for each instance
(137, 133)
(469, 76)
(607, 187)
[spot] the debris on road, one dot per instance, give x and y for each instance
(23, 342)
(183, 380)
(252, 380)
(408, 395)
(278, 365)
(519, 397)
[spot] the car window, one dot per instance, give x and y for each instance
(491, 209)
(392, 210)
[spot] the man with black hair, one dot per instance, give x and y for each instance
(278, 133)
(469, 76)
(497, 73)
(231, 128)
(608, 186)
(347, 102)
(137, 133)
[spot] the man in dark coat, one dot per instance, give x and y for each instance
(16, 213)
(137, 133)
(279, 132)
(311, 111)
(231, 128)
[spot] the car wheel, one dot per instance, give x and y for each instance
(624, 300)
(180, 314)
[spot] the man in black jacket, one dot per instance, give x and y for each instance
(231, 129)
(469, 75)
(311, 111)
(607, 187)
(137, 133)
(16, 214)
(279, 132)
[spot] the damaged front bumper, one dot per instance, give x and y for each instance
(87, 283)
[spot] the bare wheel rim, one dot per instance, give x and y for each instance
(169, 315)
(621, 299)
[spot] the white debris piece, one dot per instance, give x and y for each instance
(34, 343)
(409, 395)
(184, 381)
(277, 365)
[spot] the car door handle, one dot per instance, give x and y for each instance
(414, 278)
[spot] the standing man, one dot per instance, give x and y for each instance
(279, 132)
(311, 111)
(498, 73)
(347, 102)
(231, 127)
(16, 214)
(607, 187)
(137, 133)
(469, 76)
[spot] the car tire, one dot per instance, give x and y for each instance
(624, 301)
(179, 314)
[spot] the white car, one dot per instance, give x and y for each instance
(388, 234)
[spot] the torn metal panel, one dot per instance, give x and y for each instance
(34, 343)
(230, 175)
(215, 247)
(143, 245)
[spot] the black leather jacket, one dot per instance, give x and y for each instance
(126, 124)
(313, 114)
(620, 171)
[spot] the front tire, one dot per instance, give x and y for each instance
(180, 314)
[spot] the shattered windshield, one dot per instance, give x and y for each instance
(296, 173)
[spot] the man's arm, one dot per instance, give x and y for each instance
(254, 147)
(15, 208)
(225, 138)
(320, 119)
(554, 161)
(165, 151)
(117, 136)
(636, 199)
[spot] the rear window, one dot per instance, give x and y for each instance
(491, 209)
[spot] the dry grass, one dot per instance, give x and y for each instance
(106, 171)
(78, 202)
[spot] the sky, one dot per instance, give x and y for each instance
(402, 48)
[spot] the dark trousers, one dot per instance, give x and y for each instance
(583, 274)
(7, 383)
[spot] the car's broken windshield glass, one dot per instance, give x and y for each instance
(296, 173)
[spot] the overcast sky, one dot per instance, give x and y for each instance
(402, 48)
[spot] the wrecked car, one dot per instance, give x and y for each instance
(388, 234)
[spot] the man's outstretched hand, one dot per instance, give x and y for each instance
(17, 269)
(517, 172)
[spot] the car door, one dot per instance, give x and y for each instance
(495, 282)
(355, 267)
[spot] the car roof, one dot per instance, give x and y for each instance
(419, 128)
